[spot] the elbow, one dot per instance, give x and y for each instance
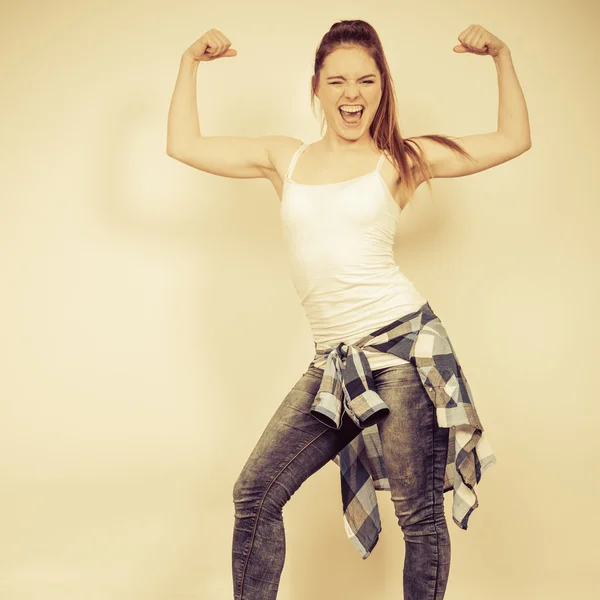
(523, 147)
(518, 144)
(527, 141)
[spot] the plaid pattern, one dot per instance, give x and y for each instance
(420, 338)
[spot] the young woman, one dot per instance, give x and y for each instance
(385, 396)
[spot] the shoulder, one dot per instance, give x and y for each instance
(281, 149)
(428, 147)
(391, 175)
(428, 150)
(283, 144)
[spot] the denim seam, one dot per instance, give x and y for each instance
(433, 500)
(249, 549)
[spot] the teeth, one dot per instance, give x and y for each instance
(352, 109)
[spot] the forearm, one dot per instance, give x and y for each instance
(513, 118)
(183, 123)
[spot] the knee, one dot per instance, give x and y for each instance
(416, 522)
(243, 486)
(245, 503)
(416, 508)
(425, 519)
(252, 493)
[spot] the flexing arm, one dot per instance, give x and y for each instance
(182, 124)
(227, 156)
(512, 136)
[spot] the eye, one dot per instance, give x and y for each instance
(338, 82)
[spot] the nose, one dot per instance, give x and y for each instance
(351, 91)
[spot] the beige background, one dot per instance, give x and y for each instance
(150, 327)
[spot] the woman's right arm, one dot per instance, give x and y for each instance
(227, 156)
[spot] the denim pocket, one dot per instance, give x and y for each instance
(310, 380)
(404, 373)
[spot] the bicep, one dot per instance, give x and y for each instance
(487, 150)
(229, 156)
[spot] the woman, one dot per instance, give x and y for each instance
(385, 396)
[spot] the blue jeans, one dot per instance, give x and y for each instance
(294, 445)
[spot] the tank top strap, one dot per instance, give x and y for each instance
(294, 159)
(380, 163)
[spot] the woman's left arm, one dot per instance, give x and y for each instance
(512, 137)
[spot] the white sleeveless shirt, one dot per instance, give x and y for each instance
(340, 239)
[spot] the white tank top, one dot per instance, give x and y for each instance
(340, 239)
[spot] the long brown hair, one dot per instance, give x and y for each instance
(384, 129)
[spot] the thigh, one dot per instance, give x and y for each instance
(294, 435)
(410, 436)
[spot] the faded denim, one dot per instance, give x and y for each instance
(294, 445)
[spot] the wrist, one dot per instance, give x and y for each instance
(504, 52)
(188, 57)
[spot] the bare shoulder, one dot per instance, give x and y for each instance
(398, 189)
(281, 151)
(426, 147)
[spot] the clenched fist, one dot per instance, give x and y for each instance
(212, 45)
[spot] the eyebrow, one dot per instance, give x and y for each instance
(342, 77)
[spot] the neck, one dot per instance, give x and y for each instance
(337, 144)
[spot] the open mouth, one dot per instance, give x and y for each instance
(352, 118)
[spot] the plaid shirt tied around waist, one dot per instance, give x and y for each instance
(420, 338)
